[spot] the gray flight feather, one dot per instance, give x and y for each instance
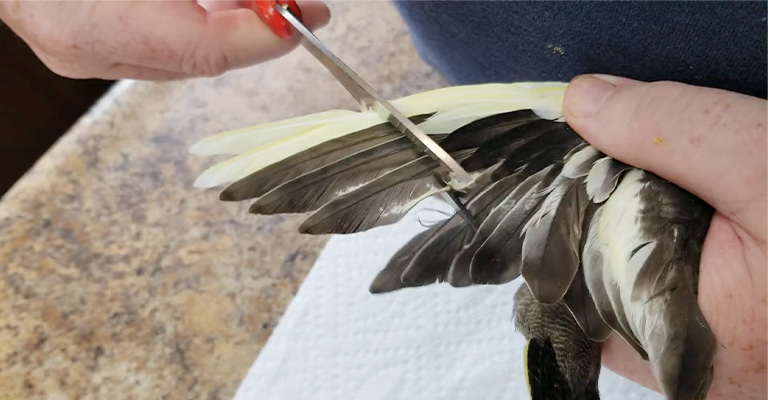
(316, 188)
(550, 251)
(498, 259)
(519, 145)
(486, 273)
(582, 307)
(496, 195)
(592, 256)
(388, 279)
(505, 125)
(387, 198)
(550, 248)
(429, 260)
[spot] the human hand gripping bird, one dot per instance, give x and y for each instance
(712, 143)
(641, 238)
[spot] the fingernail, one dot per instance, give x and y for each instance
(586, 95)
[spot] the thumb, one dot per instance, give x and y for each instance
(708, 141)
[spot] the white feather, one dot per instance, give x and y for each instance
(575, 167)
(597, 175)
(618, 228)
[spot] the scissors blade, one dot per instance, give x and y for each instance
(368, 98)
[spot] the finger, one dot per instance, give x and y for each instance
(709, 141)
(183, 37)
(622, 359)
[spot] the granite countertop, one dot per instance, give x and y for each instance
(122, 281)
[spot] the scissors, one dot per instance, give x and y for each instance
(282, 15)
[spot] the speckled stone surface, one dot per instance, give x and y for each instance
(122, 281)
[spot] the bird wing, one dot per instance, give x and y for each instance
(618, 246)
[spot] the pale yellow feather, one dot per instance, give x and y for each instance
(243, 140)
(260, 146)
(265, 155)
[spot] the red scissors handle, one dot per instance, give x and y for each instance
(265, 9)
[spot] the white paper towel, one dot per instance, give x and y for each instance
(338, 341)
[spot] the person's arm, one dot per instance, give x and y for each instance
(148, 39)
(712, 143)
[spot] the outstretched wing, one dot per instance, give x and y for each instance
(618, 246)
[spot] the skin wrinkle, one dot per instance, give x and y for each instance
(736, 322)
(202, 57)
(740, 234)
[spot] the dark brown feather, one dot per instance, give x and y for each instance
(486, 129)
(550, 251)
(499, 257)
(429, 264)
(579, 302)
(388, 279)
(460, 267)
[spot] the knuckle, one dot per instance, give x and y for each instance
(658, 98)
(200, 62)
(215, 65)
(62, 45)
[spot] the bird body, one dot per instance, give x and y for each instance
(602, 246)
(553, 335)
